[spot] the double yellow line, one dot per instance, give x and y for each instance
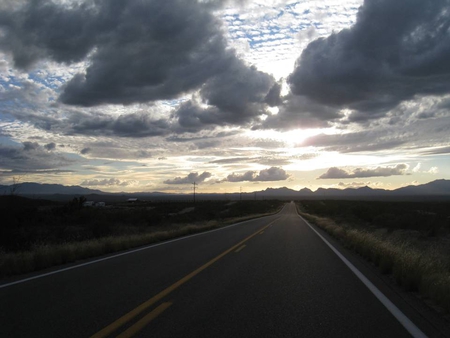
(130, 332)
(144, 306)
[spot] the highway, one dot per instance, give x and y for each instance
(269, 277)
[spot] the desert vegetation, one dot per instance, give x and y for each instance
(409, 240)
(37, 234)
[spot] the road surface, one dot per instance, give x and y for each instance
(269, 277)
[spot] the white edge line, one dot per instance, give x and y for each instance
(124, 253)
(400, 316)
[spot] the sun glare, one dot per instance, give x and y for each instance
(292, 138)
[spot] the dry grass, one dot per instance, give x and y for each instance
(415, 264)
(48, 255)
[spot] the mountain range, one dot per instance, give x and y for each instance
(436, 189)
(30, 188)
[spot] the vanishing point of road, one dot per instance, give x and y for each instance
(269, 277)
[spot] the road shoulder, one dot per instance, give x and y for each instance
(428, 318)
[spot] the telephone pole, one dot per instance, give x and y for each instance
(240, 193)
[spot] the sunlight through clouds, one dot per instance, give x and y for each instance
(126, 96)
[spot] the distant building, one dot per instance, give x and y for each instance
(132, 200)
(100, 204)
(88, 204)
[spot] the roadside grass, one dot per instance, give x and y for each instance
(416, 263)
(42, 256)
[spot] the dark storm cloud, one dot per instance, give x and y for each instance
(336, 173)
(126, 125)
(144, 50)
(50, 146)
(396, 49)
(238, 93)
(273, 97)
(64, 35)
(85, 151)
(138, 51)
(236, 97)
(265, 175)
(30, 158)
(193, 118)
(190, 179)
(136, 125)
(30, 146)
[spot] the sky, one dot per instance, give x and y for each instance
(149, 95)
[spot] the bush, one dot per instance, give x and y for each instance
(74, 233)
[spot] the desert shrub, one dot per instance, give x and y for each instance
(37, 238)
(101, 228)
(427, 217)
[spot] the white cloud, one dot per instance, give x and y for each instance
(265, 175)
(433, 170)
(189, 179)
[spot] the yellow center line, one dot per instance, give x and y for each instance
(240, 248)
(136, 311)
(131, 331)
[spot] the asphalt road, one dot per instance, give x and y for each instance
(270, 277)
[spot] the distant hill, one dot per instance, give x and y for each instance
(439, 189)
(436, 188)
(326, 193)
(30, 188)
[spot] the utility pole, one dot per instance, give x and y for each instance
(240, 193)
(194, 191)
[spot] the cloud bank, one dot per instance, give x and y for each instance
(31, 157)
(190, 179)
(395, 50)
(106, 182)
(337, 173)
(139, 52)
(265, 175)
